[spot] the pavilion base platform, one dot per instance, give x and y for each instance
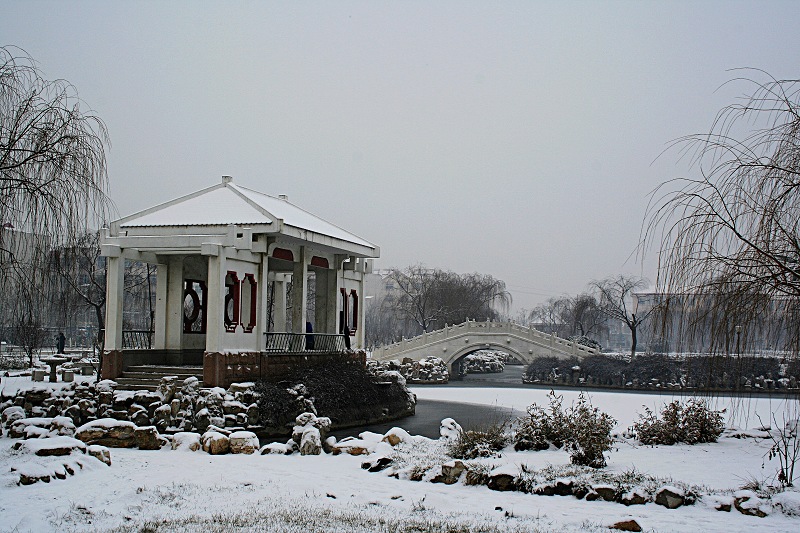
(221, 369)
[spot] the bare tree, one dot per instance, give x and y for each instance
(52, 158)
(82, 268)
(431, 298)
(570, 315)
(729, 236)
(416, 299)
(551, 315)
(617, 302)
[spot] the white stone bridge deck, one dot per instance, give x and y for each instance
(453, 342)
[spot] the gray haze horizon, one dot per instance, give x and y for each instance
(517, 139)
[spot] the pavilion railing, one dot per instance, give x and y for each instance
(294, 343)
(137, 339)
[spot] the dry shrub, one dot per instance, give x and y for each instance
(692, 422)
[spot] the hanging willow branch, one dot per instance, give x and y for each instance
(53, 177)
(729, 238)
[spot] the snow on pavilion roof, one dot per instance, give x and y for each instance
(226, 204)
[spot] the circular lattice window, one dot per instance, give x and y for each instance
(191, 306)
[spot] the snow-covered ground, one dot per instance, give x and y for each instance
(169, 490)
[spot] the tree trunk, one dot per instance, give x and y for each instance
(101, 339)
(633, 340)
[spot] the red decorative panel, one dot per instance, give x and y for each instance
(283, 253)
(320, 262)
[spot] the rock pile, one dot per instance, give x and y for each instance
(430, 370)
(485, 362)
(55, 457)
(175, 406)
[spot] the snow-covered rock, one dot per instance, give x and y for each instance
(395, 436)
(52, 446)
(276, 448)
(243, 442)
(101, 453)
(215, 443)
(108, 432)
(12, 414)
(186, 441)
(310, 443)
(449, 429)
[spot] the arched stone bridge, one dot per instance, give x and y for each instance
(454, 342)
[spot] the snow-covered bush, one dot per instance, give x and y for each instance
(480, 443)
(590, 433)
(543, 427)
(582, 429)
(691, 423)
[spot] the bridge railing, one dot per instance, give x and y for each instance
(448, 332)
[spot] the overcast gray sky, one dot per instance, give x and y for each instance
(510, 138)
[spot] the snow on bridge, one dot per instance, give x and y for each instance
(453, 342)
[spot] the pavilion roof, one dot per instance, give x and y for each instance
(227, 203)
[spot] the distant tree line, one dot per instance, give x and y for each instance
(417, 299)
(665, 372)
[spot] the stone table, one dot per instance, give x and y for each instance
(54, 362)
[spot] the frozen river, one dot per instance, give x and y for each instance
(482, 399)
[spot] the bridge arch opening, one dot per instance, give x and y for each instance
(456, 361)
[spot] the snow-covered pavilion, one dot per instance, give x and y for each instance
(224, 258)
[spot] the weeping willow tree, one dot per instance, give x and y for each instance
(53, 182)
(729, 236)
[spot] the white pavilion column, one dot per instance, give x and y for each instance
(279, 304)
(326, 301)
(174, 309)
(115, 285)
(215, 324)
(262, 320)
(162, 281)
(360, 339)
(299, 292)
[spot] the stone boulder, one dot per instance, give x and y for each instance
(633, 497)
(243, 442)
(202, 420)
(605, 492)
(166, 388)
(352, 446)
(190, 386)
(215, 443)
(241, 387)
(501, 482)
(670, 497)
(30, 428)
(63, 426)
(627, 525)
(277, 448)
(51, 446)
(147, 438)
(395, 436)
(310, 442)
(449, 429)
(163, 417)
(186, 441)
(108, 432)
(101, 453)
(748, 503)
(11, 415)
(450, 472)
(30, 473)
